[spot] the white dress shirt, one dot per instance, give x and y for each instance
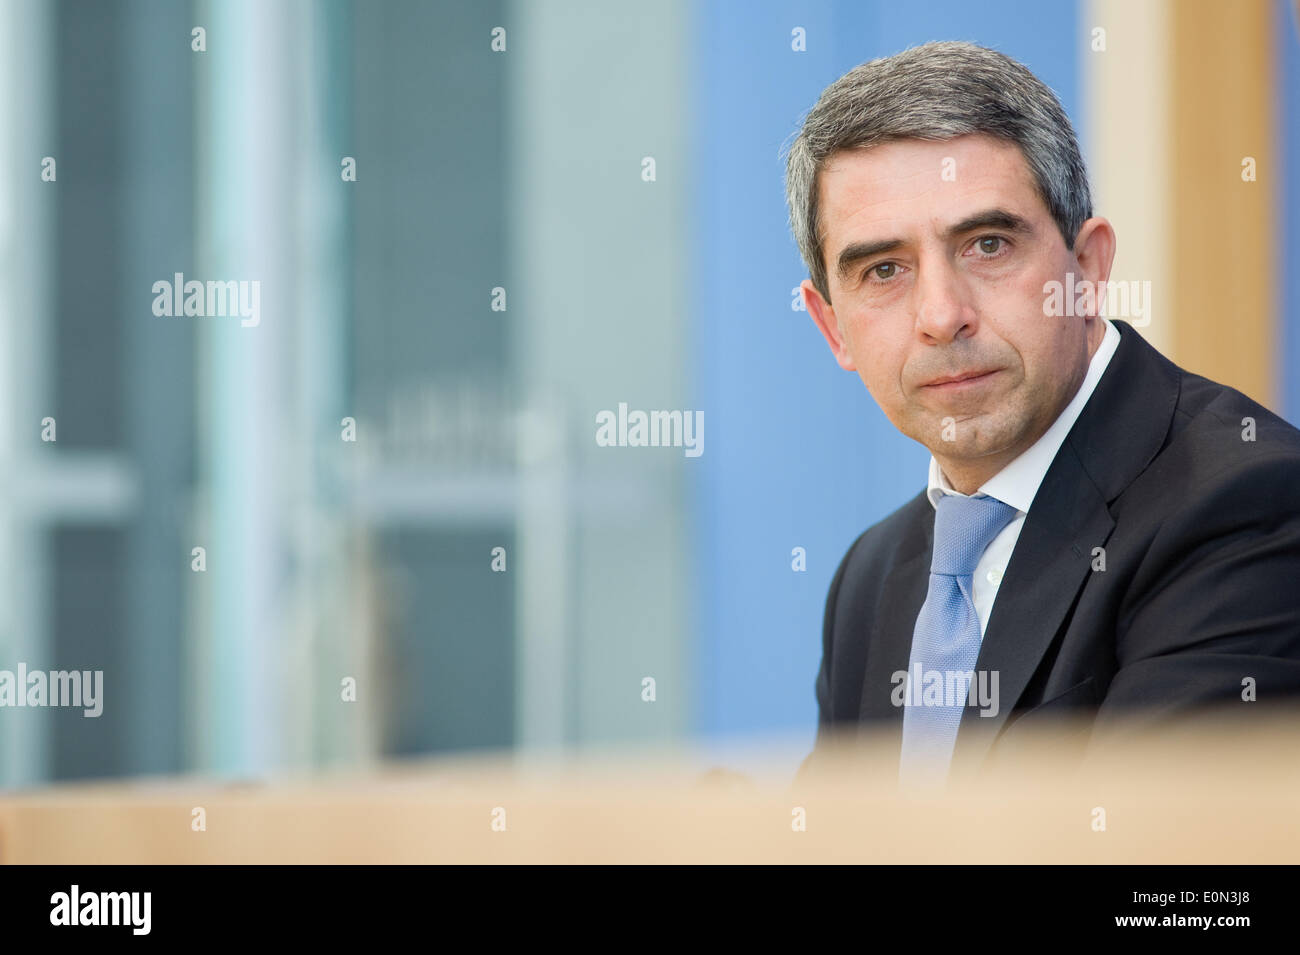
(1017, 483)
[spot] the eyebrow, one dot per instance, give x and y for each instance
(988, 219)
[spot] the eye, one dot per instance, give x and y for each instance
(991, 245)
(882, 272)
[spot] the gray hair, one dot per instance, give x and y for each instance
(936, 91)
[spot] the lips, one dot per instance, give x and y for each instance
(960, 376)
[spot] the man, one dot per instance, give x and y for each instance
(1102, 531)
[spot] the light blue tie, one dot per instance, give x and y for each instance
(946, 641)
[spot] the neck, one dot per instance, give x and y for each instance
(967, 478)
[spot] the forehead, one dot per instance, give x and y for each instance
(909, 185)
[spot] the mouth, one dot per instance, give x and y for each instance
(962, 382)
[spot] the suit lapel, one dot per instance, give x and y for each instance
(900, 597)
(1051, 561)
(902, 593)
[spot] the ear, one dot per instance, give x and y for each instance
(824, 316)
(1094, 250)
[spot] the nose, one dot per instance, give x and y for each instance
(944, 309)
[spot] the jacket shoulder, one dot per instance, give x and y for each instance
(1220, 435)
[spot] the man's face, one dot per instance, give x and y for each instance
(953, 248)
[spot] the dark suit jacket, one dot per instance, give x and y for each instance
(1201, 586)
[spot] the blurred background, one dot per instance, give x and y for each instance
(475, 226)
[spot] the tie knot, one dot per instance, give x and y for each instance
(963, 528)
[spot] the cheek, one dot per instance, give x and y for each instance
(883, 378)
(1015, 302)
(879, 349)
(1015, 308)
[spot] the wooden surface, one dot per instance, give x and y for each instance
(1227, 797)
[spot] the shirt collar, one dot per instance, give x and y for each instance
(1017, 483)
